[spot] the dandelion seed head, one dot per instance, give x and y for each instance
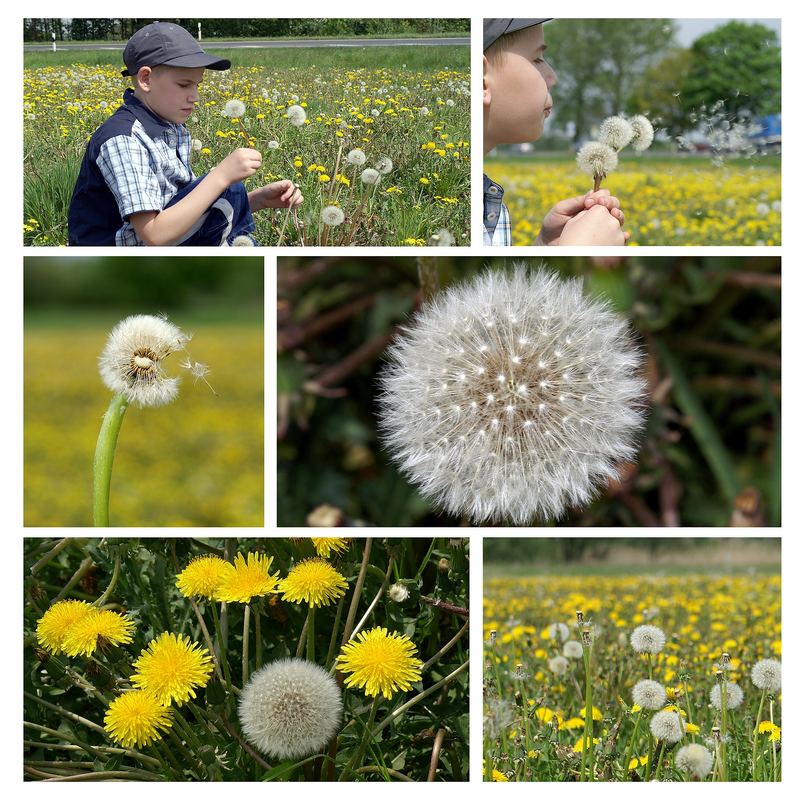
(313, 581)
(442, 238)
(558, 665)
(695, 759)
(424, 111)
(667, 726)
(356, 157)
(296, 115)
(243, 241)
(650, 695)
(596, 159)
(370, 176)
(648, 639)
(616, 132)
(131, 362)
(235, 109)
(290, 708)
(272, 144)
(733, 695)
(573, 649)
(398, 593)
(558, 630)
(643, 133)
(766, 675)
(535, 462)
(135, 719)
(332, 216)
(384, 165)
(197, 145)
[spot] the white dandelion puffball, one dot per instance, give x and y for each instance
(642, 133)
(424, 111)
(398, 593)
(511, 397)
(667, 726)
(596, 159)
(332, 216)
(558, 665)
(442, 238)
(573, 650)
(648, 639)
(558, 630)
(234, 109)
(370, 176)
(649, 695)
(695, 759)
(616, 132)
(243, 241)
(197, 145)
(272, 144)
(384, 165)
(356, 157)
(290, 708)
(766, 675)
(733, 696)
(296, 115)
(131, 363)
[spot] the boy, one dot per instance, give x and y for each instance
(136, 185)
(516, 102)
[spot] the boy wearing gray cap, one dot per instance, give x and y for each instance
(516, 101)
(136, 185)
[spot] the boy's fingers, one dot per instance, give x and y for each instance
(570, 206)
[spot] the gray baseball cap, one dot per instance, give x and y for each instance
(493, 29)
(164, 43)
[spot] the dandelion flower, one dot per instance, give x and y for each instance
(642, 133)
(325, 545)
(558, 665)
(171, 667)
(370, 176)
(97, 628)
(648, 639)
(247, 579)
(243, 241)
(131, 363)
(384, 165)
(511, 397)
(296, 115)
(650, 695)
(616, 132)
(667, 727)
(332, 216)
(356, 157)
(398, 593)
(313, 581)
(733, 696)
(596, 159)
(202, 576)
(234, 109)
(380, 662)
(290, 708)
(695, 759)
(135, 719)
(766, 675)
(573, 650)
(55, 624)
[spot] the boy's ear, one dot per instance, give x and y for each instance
(143, 78)
(487, 92)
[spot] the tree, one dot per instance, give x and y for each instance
(657, 94)
(738, 63)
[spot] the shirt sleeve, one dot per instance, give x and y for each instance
(126, 169)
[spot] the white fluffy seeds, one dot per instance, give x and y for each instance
(290, 708)
(766, 675)
(573, 650)
(695, 759)
(733, 696)
(234, 109)
(296, 115)
(512, 397)
(649, 695)
(648, 639)
(616, 132)
(596, 159)
(332, 216)
(667, 726)
(356, 157)
(642, 133)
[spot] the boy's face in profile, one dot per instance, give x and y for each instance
(516, 90)
(170, 92)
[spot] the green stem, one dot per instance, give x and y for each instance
(723, 745)
(755, 732)
(111, 584)
(310, 652)
(351, 613)
(50, 555)
(246, 645)
(104, 458)
(774, 771)
(626, 765)
(334, 633)
(425, 560)
(649, 755)
(660, 759)
(368, 734)
(223, 656)
(83, 568)
(258, 637)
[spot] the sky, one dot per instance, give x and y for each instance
(689, 29)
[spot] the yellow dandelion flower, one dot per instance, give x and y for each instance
(97, 628)
(313, 581)
(135, 719)
(55, 624)
(639, 761)
(584, 740)
(767, 727)
(202, 576)
(499, 776)
(691, 727)
(330, 544)
(597, 715)
(381, 662)
(247, 579)
(171, 667)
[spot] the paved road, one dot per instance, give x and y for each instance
(256, 44)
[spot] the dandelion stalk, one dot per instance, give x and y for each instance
(258, 637)
(428, 269)
(365, 739)
(111, 584)
(310, 635)
(104, 458)
(50, 555)
(334, 633)
(774, 770)
(755, 729)
(588, 741)
(246, 644)
(631, 742)
(723, 742)
(223, 656)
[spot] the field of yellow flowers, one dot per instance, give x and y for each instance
(666, 201)
(417, 119)
(556, 646)
(198, 461)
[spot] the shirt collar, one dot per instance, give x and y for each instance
(152, 124)
(492, 203)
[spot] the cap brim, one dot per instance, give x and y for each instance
(198, 60)
(502, 27)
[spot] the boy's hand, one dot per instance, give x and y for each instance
(594, 226)
(565, 211)
(281, 194)
(240, 164)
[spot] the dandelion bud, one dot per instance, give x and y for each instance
(493, 637)
(520, 673)
(616, 132)
(234, 109)
(579, 617)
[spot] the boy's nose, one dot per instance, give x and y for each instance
(550, 78)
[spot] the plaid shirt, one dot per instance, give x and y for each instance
(496, 219)
(135, 162)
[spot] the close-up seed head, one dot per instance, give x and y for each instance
(648, 639)
(766, 675)
(733, 695)
(616, 132)
(649, 695)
